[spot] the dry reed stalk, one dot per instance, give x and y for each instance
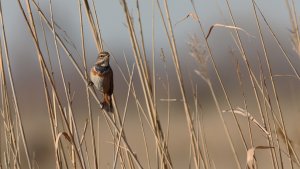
(71, 150)
(1, 112)
(48, 102)
(266, 101)
(118, 122)
(51, 111)
(199, 123)
(172, 43)
(87, 90)
(199, 55)
(139, 109)
(251, 74)
(155, 123)
(291, 147)
(3, 90)
(98, 141)
(16, 106)
(153, 54)
(245, 59)
(167, 88)
(123, 119)
(241, 84)
(277, 42)
(144, 58)
(223, 89)
(97, 35)
(72, 124)
(97, 22)
(87, 155)
(44, 68)
(9, 133)
(46, 44)
(144, 138)
(107, 117)
(270, 72)
(268, 124)
(220, 80)
(83, 135)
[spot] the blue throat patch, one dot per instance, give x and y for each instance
(102, 69)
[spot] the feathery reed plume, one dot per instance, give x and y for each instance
(295, 26)
(197, 51)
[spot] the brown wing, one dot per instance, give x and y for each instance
(108, 83)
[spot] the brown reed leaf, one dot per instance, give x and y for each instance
(67, 137)
(244, 113)
(227, 26)
(251, 153)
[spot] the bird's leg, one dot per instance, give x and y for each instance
(102, 103)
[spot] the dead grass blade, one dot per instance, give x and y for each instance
(229, 27)
(244, 113)
(193, 15)
(291, 146)
(84, 131)
(14, 94)
(67, 137)
(251, 153)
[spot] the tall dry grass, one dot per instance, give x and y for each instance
(79, 147)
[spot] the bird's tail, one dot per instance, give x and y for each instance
(107, 104)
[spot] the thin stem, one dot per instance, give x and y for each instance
(87, 90)
(16, 105)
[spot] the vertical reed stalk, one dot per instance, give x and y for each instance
(223, 88)
(195, 147)
(98, 40)
(43, 67)
(270, 72)
(87, 90)
(155, 123)
(75, 132)
(144, 60)
(16, 105)
(123, 119)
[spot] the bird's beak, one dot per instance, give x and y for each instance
(100, 63)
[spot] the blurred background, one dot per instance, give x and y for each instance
(114, 30)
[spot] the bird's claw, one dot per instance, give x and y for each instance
(90, 83)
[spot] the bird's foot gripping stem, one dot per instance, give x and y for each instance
(90, 83)
(101, 105)
(107, 107)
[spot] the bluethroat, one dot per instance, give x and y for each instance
(101, 76)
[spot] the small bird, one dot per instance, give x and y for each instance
(101, 76)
